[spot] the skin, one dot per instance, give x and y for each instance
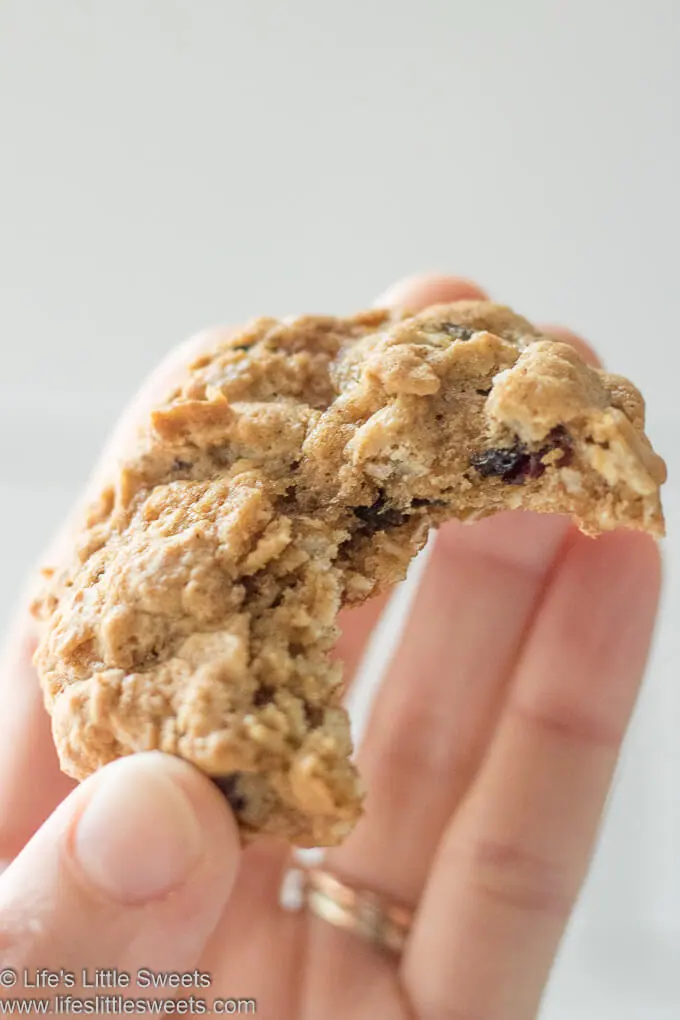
(488, 758)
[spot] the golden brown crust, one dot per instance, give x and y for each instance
(298, 469)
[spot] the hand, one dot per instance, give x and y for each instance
(488, 757)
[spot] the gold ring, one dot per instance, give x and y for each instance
(365, 913)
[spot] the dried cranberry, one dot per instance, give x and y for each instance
(515, 464)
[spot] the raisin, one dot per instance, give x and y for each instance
(514, 464)
(379, 517)
(228, 785)
(511, 464)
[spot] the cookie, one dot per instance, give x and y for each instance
(297, 470)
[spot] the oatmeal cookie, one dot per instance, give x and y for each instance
(297, 470)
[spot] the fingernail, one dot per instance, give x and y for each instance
(138, 837)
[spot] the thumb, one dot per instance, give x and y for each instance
(132, 870)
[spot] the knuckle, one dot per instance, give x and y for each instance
(414, 746)
(511, 877)
(570, 722)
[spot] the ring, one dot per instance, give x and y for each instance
(365, 913)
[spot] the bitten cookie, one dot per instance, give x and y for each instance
(298, 470)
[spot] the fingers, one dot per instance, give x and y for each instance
(417, 292)
(31, 783)
(440, 699)
(30, 751)
(254, 929)
(136, 865)
(442, 693)
(582, 347)
(513, 858)
(356, 628)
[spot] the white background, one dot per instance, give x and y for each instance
(168, 164)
